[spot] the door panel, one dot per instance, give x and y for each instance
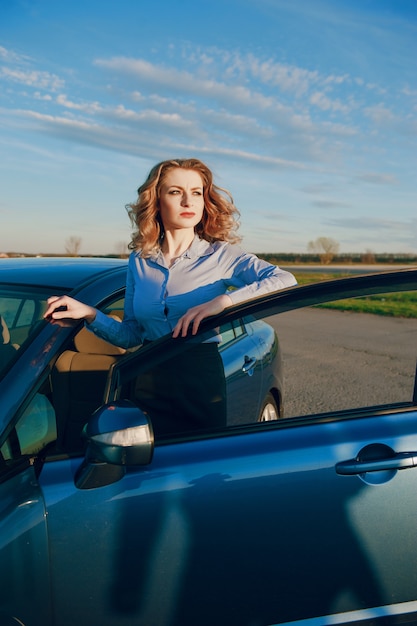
(24, 579)
(251, 529)
(243, 372)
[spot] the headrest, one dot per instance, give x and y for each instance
(87, 342)
(4, 332)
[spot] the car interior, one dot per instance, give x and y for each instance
(78, 381)
(72, 391)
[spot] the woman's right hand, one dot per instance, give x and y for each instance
(64, 307)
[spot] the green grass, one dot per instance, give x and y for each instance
(400, 304)
(315, 277)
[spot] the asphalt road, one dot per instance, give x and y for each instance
(337, 360)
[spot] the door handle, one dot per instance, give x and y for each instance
(249, 365)
(400, 460)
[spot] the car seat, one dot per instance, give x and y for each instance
(78, 381)
(7, 349)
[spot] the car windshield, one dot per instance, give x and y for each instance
(21, 313)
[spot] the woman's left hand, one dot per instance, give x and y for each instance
(195, 315)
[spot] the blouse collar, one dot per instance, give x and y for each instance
(198, 248)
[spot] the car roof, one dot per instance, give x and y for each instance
(63, 272)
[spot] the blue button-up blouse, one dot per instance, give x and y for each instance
(157, 296)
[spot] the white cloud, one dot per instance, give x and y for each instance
(134, 139)
(226, 118)
(287, 77)
(87, 107)
(378, 179)
(39, 96)
(10, 56)
(379, 114)
(338, 80)
(409, 92)
(331, 204)
(32, 78)
(240, 105)
(320, 100)
(187, 83)
(237, 107)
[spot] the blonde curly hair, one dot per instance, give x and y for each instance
(220, 216)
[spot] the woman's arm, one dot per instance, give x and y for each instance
(249, 277)
(252, 277)
(126, 334)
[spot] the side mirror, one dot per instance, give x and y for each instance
(119, 434)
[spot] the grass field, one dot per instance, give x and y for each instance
(401, 304)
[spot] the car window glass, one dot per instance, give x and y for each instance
(34, 430)
(115, 308)
(9, 308)
(336, 359)
(26, 314)
(319, 360)
(21, 313)
(20, 310)
(215, 381)
(230, 332)
(227, 335)
(250, 375)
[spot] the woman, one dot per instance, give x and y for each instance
(184, 267)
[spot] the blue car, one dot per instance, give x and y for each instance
(303, 517)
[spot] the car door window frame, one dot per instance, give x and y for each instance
(264, 308)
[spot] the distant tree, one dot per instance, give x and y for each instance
(121, 249)
(73, 245)
(325, 247)
(368, 257)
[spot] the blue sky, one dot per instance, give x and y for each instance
(305, 110)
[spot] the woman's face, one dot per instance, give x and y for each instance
(181, 201)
